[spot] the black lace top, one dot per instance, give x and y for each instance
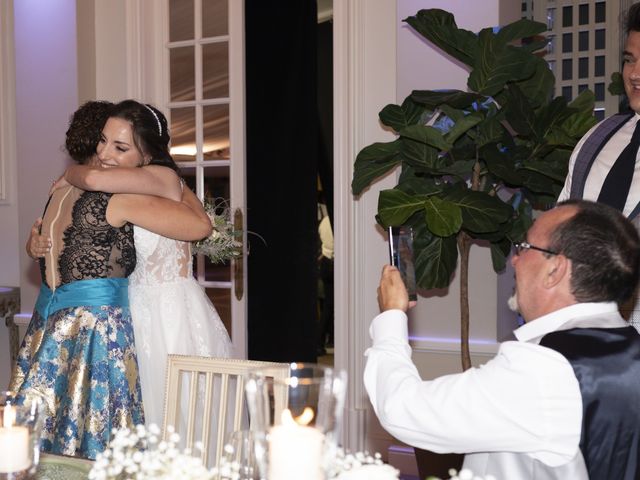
(84, 245)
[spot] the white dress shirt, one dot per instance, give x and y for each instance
(595, 179)
(517, 416)
(600, 168)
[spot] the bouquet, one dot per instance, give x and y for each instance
(224, 242)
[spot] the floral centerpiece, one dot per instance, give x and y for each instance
(224, 242)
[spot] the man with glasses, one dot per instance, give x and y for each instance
(561, 402)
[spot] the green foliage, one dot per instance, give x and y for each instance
(478, 161)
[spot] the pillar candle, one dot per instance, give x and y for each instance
(14, 444)
(295, 452)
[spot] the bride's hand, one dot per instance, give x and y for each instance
(37, 245)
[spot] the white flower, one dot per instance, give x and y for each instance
(370, 472)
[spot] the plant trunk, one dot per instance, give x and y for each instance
(464, 246)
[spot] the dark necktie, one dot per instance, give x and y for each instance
(618, 182)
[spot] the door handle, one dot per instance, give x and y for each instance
(238, 262)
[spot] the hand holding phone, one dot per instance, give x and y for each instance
(401, 256)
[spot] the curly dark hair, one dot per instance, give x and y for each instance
(149, 128)
(85, 129)
(604, 248)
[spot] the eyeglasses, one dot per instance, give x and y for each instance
(519, 247)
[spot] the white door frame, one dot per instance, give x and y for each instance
(364, 53)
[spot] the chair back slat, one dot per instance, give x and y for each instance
(215, 397)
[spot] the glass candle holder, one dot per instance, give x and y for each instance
(301, 418)
(21, 420)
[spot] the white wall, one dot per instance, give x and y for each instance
(45, 95)
(9, 263)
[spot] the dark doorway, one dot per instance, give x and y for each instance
(287, 151)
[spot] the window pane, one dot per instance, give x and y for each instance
(599, 114)
(599, 92)
(216, 132)
(567, 16)
(567, 42)
(221, 298)
(215, 18)
(216, 182)
(583, 67)
(183, 134)
(567, 93)
(599, 67)
(215, 70)
(551, 15)
(600, 39)
(582, 88)
(583, 41)
(552, 66)
(180, 20)
(600, 12)
(583, 14)
(551, 44)
(182, 68)
(567, 67)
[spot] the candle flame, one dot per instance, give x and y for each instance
(303, 419)
(9, 416)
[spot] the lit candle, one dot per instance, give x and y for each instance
(14, 444)
(295, 451)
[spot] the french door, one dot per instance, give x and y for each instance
(204, 59)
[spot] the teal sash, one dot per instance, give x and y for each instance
(91, 293)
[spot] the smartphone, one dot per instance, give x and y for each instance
(401, 256)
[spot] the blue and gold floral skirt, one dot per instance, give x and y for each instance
(82, 360)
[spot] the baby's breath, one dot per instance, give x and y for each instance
(139, 454)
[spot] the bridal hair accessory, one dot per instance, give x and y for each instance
(155, 115)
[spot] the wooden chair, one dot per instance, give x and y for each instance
(214, 392)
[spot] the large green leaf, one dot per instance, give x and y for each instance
(519, 111)
(537, 182)
(395, 206)
(374, 161)
(399, 117)
(454, 98)
(552, 115)
(501, 165)
(462, 126)
(480, 212)
(426, 135)
(520, 29)
(584, 102)
(412, 184)
(443, 218)
(420, 155)
(499, 255)
(439, 27)
(459, 168)
(554, 165)
(497, 64)
(578, 124)
(491, 130)
(538, 88)
(435, 258)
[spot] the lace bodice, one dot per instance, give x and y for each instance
(159, 260)
(84, 245)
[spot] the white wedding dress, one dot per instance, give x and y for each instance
(171, 314)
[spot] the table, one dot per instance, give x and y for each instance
(58, 467)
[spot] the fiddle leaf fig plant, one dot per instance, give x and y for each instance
(474, 164)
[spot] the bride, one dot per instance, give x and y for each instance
(170, 310)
